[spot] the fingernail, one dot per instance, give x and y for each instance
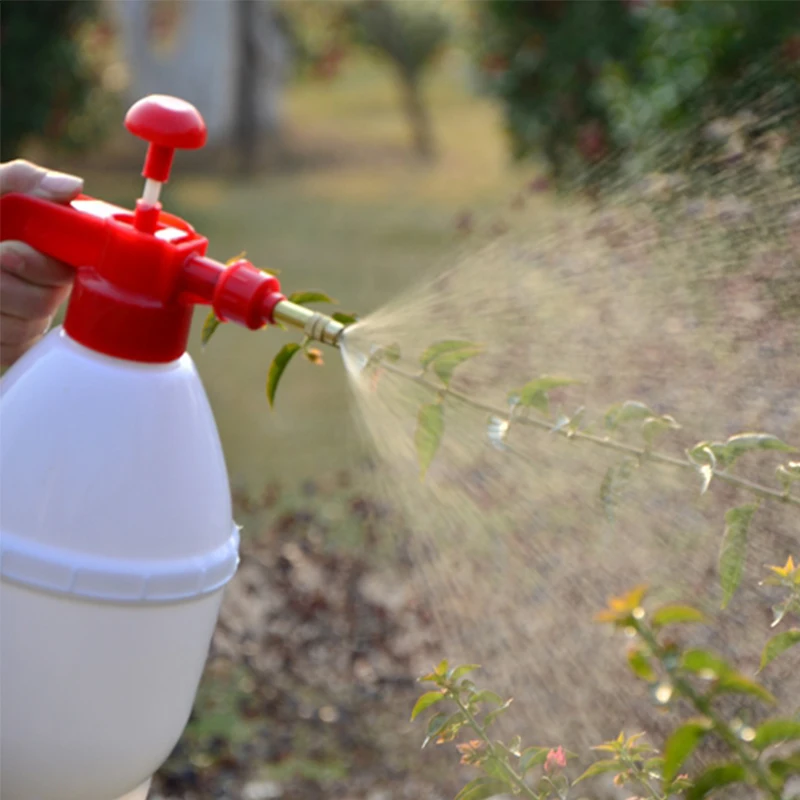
(59, 183)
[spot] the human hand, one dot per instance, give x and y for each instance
(32, 285)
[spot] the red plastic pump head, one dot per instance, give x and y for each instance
(138, 276)
(169, 124)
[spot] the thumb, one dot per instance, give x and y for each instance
(22, 176)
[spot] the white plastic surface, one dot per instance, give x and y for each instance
(111, 462)
(139, 793)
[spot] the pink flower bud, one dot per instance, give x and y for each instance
(556, 759)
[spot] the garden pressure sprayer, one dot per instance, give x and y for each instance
(115, 511)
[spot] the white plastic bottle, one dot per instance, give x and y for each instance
(117, 539)
(116, 534)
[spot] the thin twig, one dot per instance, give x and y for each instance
(640, 453)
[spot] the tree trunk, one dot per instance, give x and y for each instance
(418, 117)
(247, 128)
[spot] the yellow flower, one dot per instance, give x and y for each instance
(621, 609)
(787, 570)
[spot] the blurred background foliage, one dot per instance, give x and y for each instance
(50, 74)
(606, 80)
(579, 82)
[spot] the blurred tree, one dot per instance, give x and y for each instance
(227, 57)
(585, 81)
(247, 123)
(45, 77)
(410, 36)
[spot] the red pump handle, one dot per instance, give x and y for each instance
(168, 124)
(135, 285)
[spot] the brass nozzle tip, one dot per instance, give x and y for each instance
(316, 325)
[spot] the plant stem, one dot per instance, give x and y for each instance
(704, 706)
(641, 778)
(513, 777)
(640, 453)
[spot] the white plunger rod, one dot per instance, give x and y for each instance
(152, 191)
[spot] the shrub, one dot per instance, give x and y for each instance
(47, 77)
(591, 81)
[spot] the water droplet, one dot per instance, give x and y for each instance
(663, 693)
(638, 613)
(747, 734)
(497, 432)
(707, 674)
(328, 714)
(630, 631)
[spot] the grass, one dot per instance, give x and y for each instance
(363, 222)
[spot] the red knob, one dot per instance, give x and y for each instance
(167, 123)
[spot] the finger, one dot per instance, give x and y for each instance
(9, 353)
(20, 259)
(16, 331)
(18, 298)
(22, 176)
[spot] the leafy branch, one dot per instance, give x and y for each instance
(756, 756)
(641, 454)
(529, 405)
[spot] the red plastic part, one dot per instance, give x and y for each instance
(168, 123)
(158, 162)
(139, 275)
(134, 292)
(146, 217)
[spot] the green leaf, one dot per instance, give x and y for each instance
(715, 778)
(680, 745)
(783, 768)
(774, 731)
(734, 549)
(445, 365)
(640, 665)
(534, 394)
(746, 442)
(629, 411)
(654, 427)
(599, 767)
(671, 615)
(426, 701)
(276, 370)
(779, 644)
(211, 323)
(486, 696)
(481, 788)
(430, 427)
(440, 348)
(344, 318)
(493, 715)
(452, 725)
(464, 669)
(705, 664)
(532, 757)
(442, 668)
(736, 683)
(304, 298)
(512, 749)
(435, 724)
